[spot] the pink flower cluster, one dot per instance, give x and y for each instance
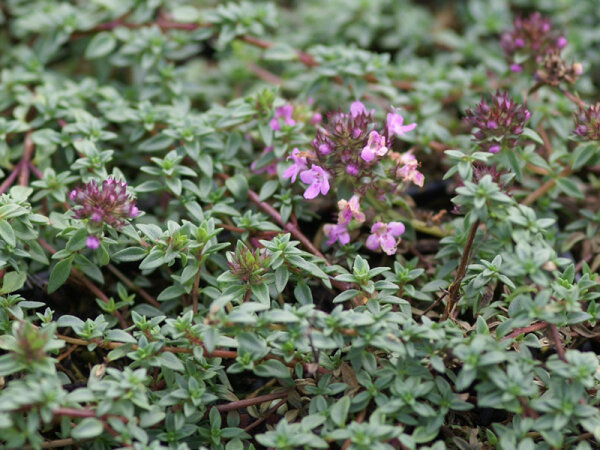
(108, 203)
(346, 149)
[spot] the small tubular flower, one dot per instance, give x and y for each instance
(384, 236)
(394, 123)
(408, 171)
(318, 182)
(299, 164)
(336, 233)
(375, 147)
(350, 209)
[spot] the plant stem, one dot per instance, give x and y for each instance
(251, 401)
(134, 287)
(560, 351)
(195, 289)
(519, 331)
(10, 178)
(25, 159)
(454, 289)
(544, 188)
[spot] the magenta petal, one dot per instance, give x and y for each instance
(291, 172)
(396, 228)
(307, 176)
(388, 244)
(367, 154)
(312, 191)
(324, 185)
(377, 226)
(274, 125)
(372, 242)
(357, 108)
(344, 237)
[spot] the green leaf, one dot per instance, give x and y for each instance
(531, 134)
(281, 278)
(171, 361)
(268, 189)
(7, 233)
(272, 368)
(120, 336)
(261, 292)
(77, 240)
(59, 274)
(88, 428)
(568, 186)
(339, 411)
(100, 45)
(238, 186)
(346, 295)
(156, 143)
(12, 281)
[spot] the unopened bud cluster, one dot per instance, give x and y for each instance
(499, 123)
(587, 123)
(108, 204)
(534, 45)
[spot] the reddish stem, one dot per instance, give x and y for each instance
(25, 159)
(560, 351)
(518, 331)
(251, 401)
(10, 178)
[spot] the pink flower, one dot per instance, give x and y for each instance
(394, 124)
(409, 172)
(384, 236)
(92, 242)
(298, 165)
(357, 108)
(284, 112)
(375, 146)
(317, 180)
(336, 233)
(316, 118)
(350, 209)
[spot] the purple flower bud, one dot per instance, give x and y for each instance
(351, 169)
(324, 149)
(503, 119)
(515, 68)
(92, 242)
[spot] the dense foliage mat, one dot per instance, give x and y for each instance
(309, 224)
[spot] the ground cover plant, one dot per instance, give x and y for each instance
(302, 224)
